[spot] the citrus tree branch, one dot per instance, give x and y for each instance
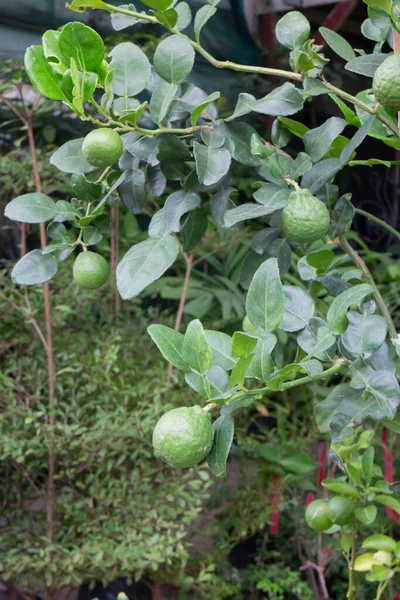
(378, 221)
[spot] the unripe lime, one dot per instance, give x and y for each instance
(317, 515)
(90, 270)
(183, 437)
(102, 147)
(386, 82)
(248, 326)
(305, 219)
(340, 510)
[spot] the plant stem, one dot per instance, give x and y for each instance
(351, 588)
(358, 261)
(49, 351)
(380, 222)
(189, 266)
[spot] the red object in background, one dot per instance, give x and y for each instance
(322, 453)
(310, 498)
(397, 596)
(275, 503)
(388, 472)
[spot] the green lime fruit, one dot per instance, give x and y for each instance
(183, 437)
(317, 515)
(90, 270)
(248, 326)
(386, 83)
(102, 147)
(340, 510)
(305, 219)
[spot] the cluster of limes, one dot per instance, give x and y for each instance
(101, 148)
(322, 514)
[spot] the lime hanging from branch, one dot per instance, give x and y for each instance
(183, 437)
(102, 147)
(386, 83)
(316, 515)
(305, 219)
(91, 270)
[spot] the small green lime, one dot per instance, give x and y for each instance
(90, 270)
(248, 326)
(102, 147)
(317, 515)
(305, 219)
(183, 437)
(340, 510)
(386, 82)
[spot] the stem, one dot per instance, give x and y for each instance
(358, 261)
(380, 222)
(323, 375)
(361, 105)
(381, 588)
(189, 265)
(49, 352)
(115, 252)
(351, 588)
(131, 13)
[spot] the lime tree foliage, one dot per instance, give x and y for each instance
(335, 314)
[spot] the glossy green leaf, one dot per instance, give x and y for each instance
(34, 268)
(280, 136)
(366, 64)
(247, 211)
(239, 371)
(318, 141)
(367, 464)
(379, 541)
(144, 263)
(184, 15)
(196, 350)
(388, 501)
(202, 108)
(174, 58)
(340, 487)
(176, 205)
(170, 344)
(243, 344)
(299, 309)
(282, 101)
(265, 303)
(336, 317)
(383, 5)
(366, 515)
(211, 163)
(44, 78)
(161, 101)
(51, 50)
(203, 15)
(223, 437)
(238, 139)
(120, 21)
(364, 335)
(83, 5)
(133, 190)
(193, 228)
(317, 340)
(300, 166)
(337, 43)
(131, 69)
(356, 140)
(221, 349)
(168, 18)
(262, 366)
(292, 30)
(83, 44)
(321, 173)
(343, 214)
(69, 158)
(220, 204)
(31, 208)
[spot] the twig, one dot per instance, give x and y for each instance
(321, 578)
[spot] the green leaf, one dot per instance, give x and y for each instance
(211, 163)
(44, 78)
(144, 263)
(282, 101)
(366, 515)
(161, 101)
(223, 437)
(203, 15)
(295, 127)
(299, 309)
(170, 344)
(270, 194)
(320, 174)
(356, 140)
(340, 487)
(220, 204)
(366, 64)
(31, 208)
(261, 365)
(364, 335)
(176, 205)
(51, 50)
(265, 303)
(316, 339)
(243, 344)
(343, 214)
(239, 371)
(83, 44)
(238, 140)
(381, 386)
(337, 43)
(221, 349)
(388, 501)
(120, 21)
(198, 111)
(83, 5)
(248, 211)
(348, 113)
(69, 158)
(157, 4)
(379, 541)
(196, 350)
(213, 386)
(280, 136)
(292, 30)
(384, 5)
(168, 18)
(367, 463)
(133, 190)
(174, 58)
(298, 462)
(318, 141)
(184, 15)
(92, 236)
(336, 317)
(131, 69)
(34, 268)
(193, 228)
(300, 166)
